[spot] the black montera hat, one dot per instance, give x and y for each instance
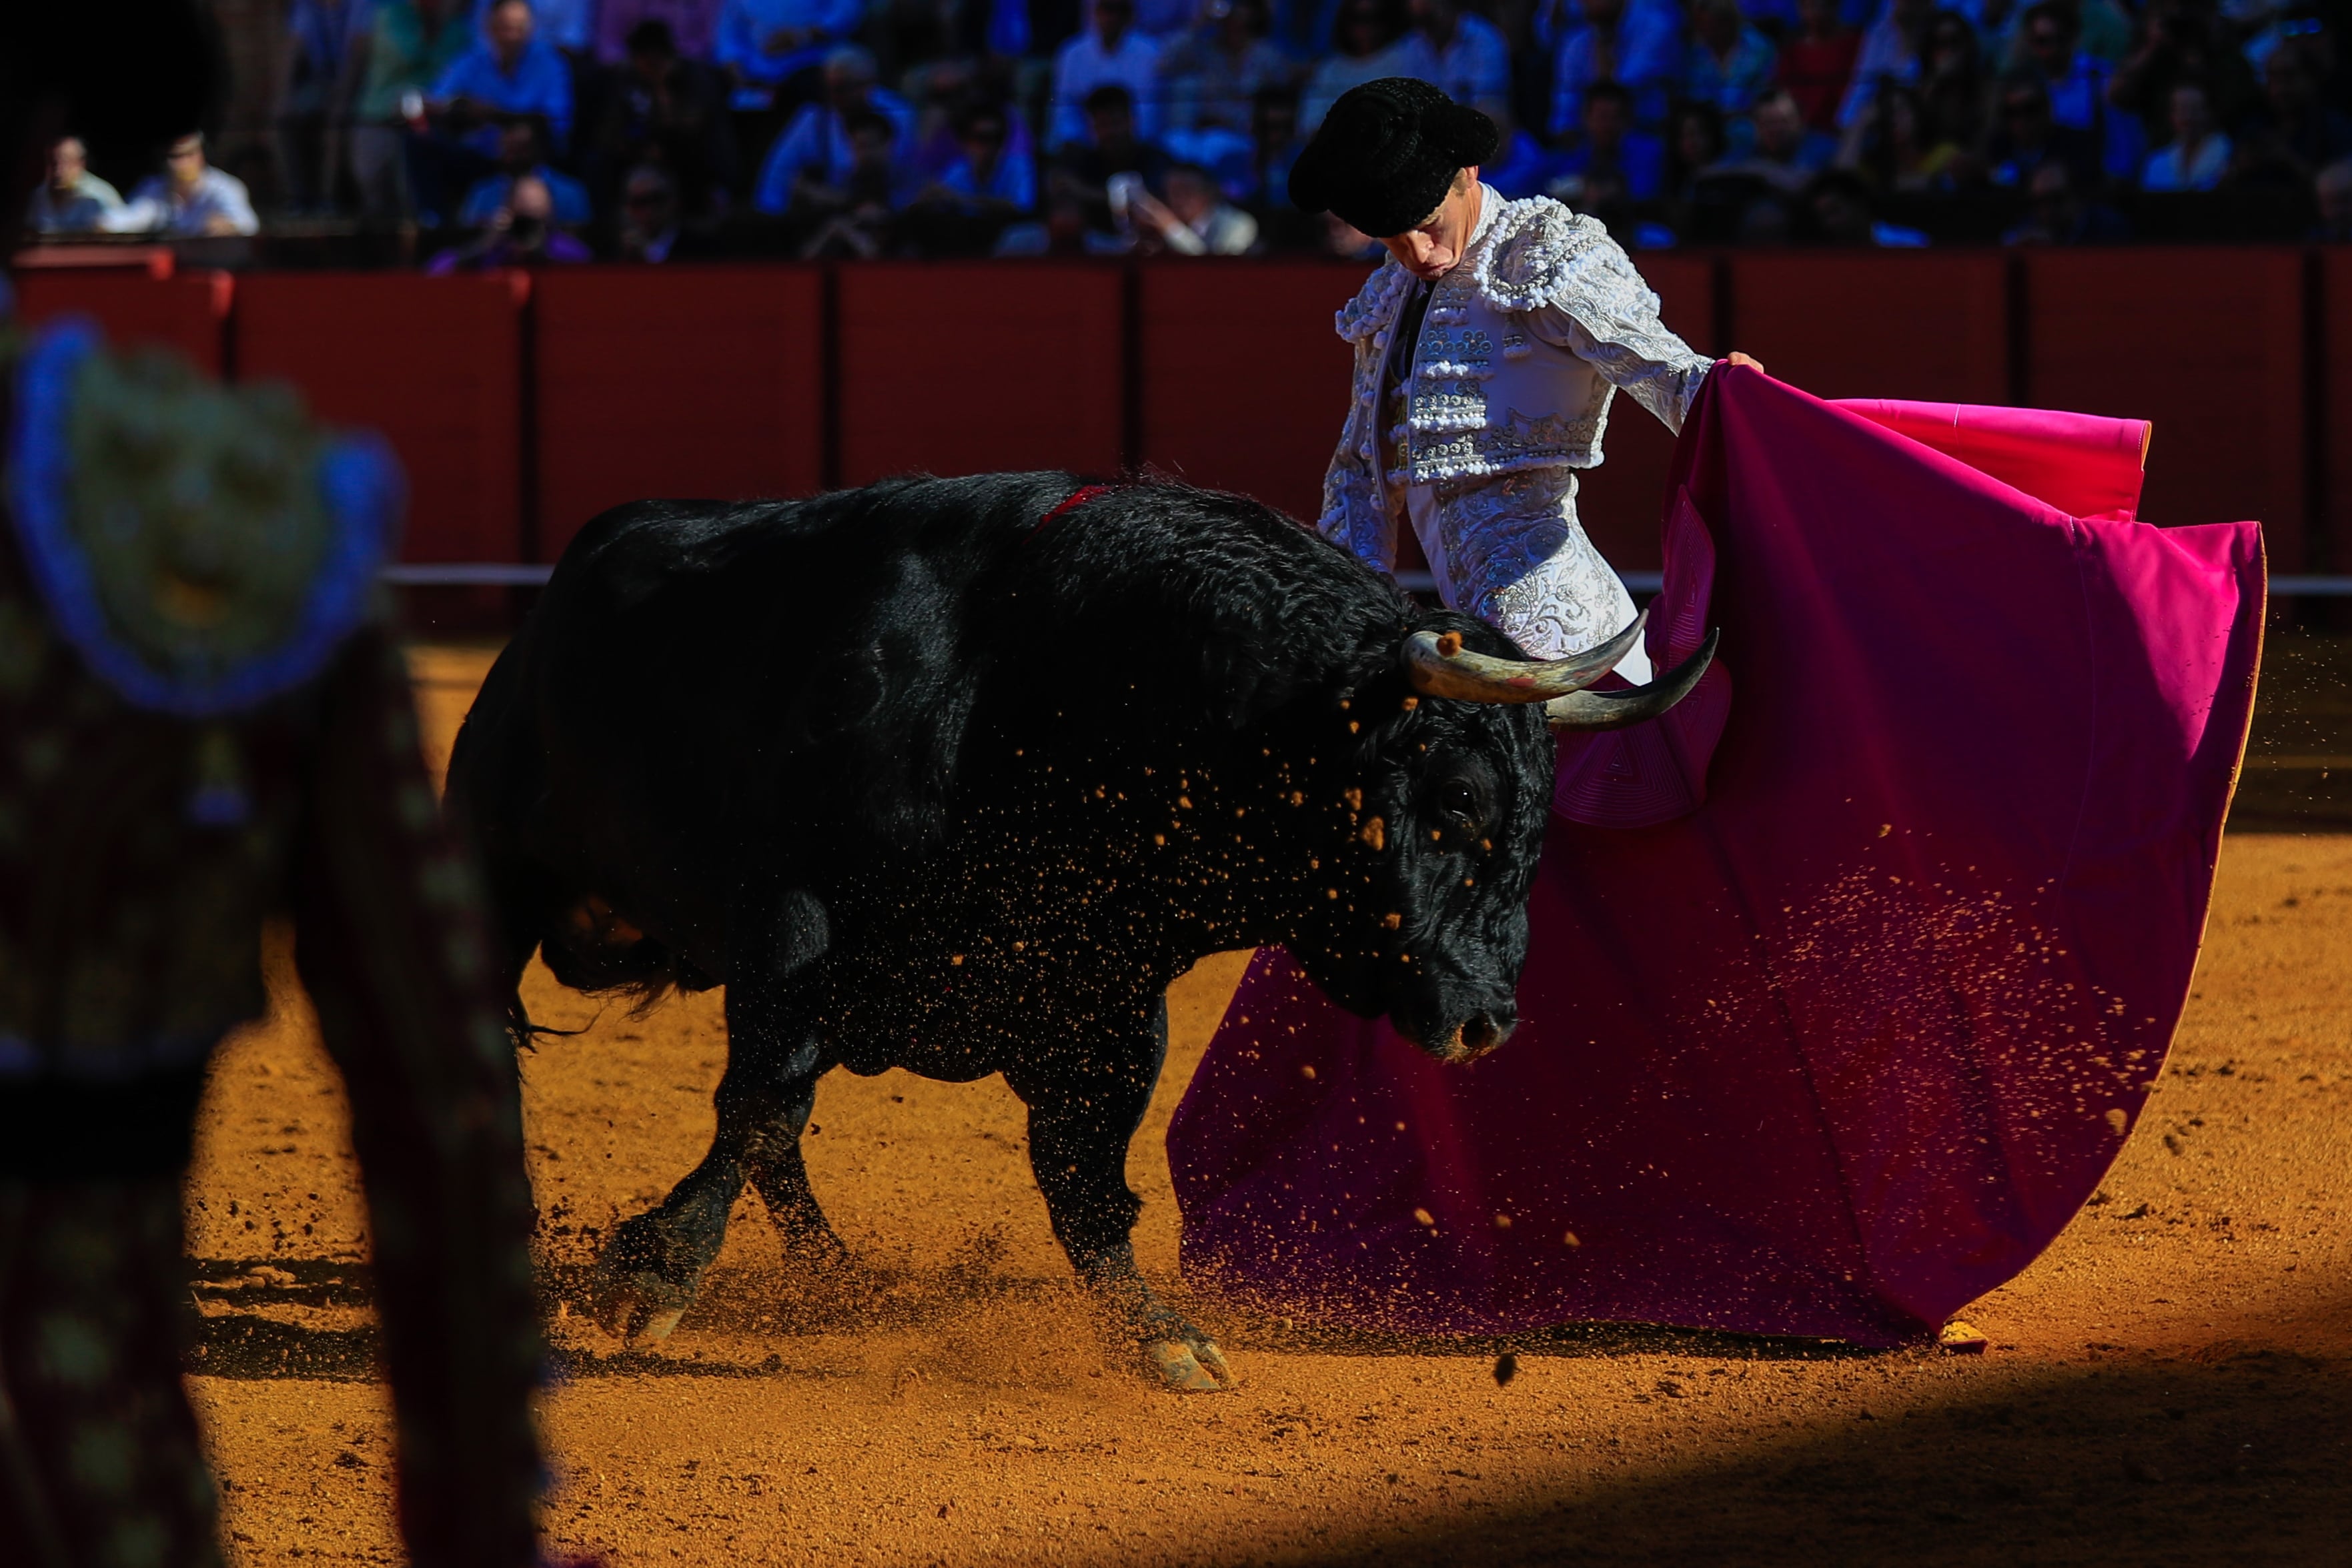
(1387, 152)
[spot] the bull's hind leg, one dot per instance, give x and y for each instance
(1084, 1109)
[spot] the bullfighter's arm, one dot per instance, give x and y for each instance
(1603, 312)
(390, 944)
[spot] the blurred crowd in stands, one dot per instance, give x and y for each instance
(496, 133)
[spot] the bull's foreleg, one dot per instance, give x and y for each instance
(652, 1269)
(1084, 1110)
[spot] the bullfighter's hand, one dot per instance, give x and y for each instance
(1736, 357)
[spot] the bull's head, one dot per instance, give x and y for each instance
(1421, 912)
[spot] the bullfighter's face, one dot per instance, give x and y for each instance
(1426, 918)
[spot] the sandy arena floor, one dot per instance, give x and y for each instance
(2171, 1384)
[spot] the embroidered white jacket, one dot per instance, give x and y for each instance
(1524, 345)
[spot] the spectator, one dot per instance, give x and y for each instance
(1345, 241)
(1521, 166)
(671, 112)
(314, 94)
(410, 46)
(1612, 164)
(2293, 134)
(1785, 155)
(1066, 231)
(1084, 169)
(1195, 219)
(1728, 64)
(2333, 190)
(2198, 155)
(1367, 39)
(1110, 54)
(1890, 53)
(1817, 62)
(692, 25)
(1275, 142)
(988, 178)
(520, 156)
(763, 44)
(1950, 52)
(567, 26)
(1635, 45)
(1461, 53)
(1840, 205)
(2182, 40)
(653, 220)
(1212, 76)
(2078, 83)
(189, 199)
(72, 199)
(816, 151)
(2027, 137)
(1892, 146)
(511, 72)
(522, 233)
(2060, 214)
(1694, 143)
(863, 224)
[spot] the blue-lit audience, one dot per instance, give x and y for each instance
(659, 129)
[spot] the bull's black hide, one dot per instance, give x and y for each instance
(927, 785)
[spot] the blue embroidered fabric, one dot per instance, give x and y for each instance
(358, 478)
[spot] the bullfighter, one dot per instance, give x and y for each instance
(1488, 348)
(209, 725)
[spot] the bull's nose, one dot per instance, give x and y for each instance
(1488, 1030)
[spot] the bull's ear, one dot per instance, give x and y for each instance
(1440, 666)
(1615, 710)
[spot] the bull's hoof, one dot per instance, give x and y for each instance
(1193, 1366)
(641, 1310)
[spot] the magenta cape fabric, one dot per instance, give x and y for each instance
(1843, 1041)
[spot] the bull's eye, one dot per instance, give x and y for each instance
(1458, 801)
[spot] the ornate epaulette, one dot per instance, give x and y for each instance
(1533, 252)
(1375, 304)
(205, 549)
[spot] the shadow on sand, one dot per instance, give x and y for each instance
(2229, 1456)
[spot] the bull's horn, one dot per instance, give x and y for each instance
(1615, 710)
(1442, 667)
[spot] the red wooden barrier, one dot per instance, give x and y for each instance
(435, 364)
(1245, 383)
(2336, 346)
(1918, 324)
(962, 368)
(1622, 501)
(2206, 343)
(702, 382)
(186, 312)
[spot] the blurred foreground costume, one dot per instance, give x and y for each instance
(205, 726)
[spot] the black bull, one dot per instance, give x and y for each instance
(926, 783)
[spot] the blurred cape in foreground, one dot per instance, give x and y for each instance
(1849, 978)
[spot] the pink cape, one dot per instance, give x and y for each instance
(1846, 1030)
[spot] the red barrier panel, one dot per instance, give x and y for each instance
(964, 367)
(2337, 306)
(2208, 344)
(1899, 324)
(434, 364)
(1621, 502)
(702, 382)
(187, 311)
(1245, 383)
